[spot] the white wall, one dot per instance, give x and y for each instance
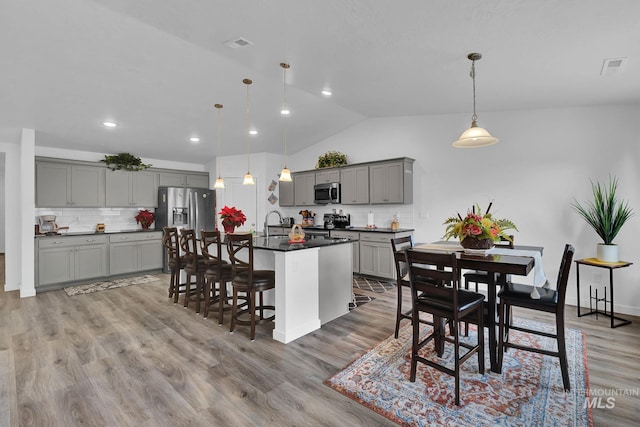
(12, 217)
(2, 201)
(544, 159)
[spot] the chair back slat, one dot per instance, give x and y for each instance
(433, 275)
(563, 274)
(170, 242)
(399, 246)
(189, 246)
(236, 243)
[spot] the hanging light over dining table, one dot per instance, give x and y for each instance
(475, 136)
(248, 178)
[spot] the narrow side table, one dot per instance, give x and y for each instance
(593, 262)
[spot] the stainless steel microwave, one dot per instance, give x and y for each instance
(327, 193)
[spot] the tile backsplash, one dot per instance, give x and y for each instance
(85, 219)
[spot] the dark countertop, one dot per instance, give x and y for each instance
(378, 230)
(281, 243)
(95, 233)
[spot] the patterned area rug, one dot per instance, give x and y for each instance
(357, 300)
(373, 285)
(529, 391)
(110, 284)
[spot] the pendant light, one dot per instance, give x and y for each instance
(285, 173)
(474, 136)
(248, 178)
(219, 182)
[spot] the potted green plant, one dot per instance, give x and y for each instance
(124, 161)
(606, 215)
(331, 159)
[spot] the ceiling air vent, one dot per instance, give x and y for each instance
(238, 43)
(613, 66)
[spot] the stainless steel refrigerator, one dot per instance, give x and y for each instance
(191, 208)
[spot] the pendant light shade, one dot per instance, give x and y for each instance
(248, 178)
(285, 173)
(219, 182)
(474, 136)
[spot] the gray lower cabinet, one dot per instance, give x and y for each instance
(135, 252)
(69, 185)
(127, 189)
(376, 254)
(66, 259)
(355, 236)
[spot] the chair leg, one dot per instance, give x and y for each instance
(207, 297)
(252, 312)
(175, 276)
(398, 309)
(222, 297)
(456, 369)
(187, 291)
(481, 340)
(234, 310)
(501, 333)
(466, 325)
(562, 351)
(414, 347)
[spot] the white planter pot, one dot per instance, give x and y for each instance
(607, 253)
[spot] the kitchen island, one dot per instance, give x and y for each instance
(313, 282)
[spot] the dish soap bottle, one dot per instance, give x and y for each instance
(395, 224)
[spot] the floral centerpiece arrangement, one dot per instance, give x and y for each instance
(145, 218)
(477, 230)
(231, 218)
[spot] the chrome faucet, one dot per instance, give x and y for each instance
(266, 221)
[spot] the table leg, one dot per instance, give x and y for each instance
(491, 323)
(578, 287)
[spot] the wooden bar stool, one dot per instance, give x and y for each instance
(218, 271)
(195, 265)
(250, 282)
(175, 261)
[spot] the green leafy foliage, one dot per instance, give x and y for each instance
(124, 161)
(477, 225)
(605, 214)
(331, 159)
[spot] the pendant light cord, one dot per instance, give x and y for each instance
(248, 82)
(474, 118)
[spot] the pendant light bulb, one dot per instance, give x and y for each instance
(474, 136)
(248, 178)
(285, 173)
(219, 182)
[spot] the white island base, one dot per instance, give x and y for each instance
(313, 287)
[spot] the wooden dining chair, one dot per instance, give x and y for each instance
(399, 245)
(433, 279)
(551, 301)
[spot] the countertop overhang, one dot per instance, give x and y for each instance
(281, 243)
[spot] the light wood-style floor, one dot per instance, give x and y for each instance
(128, 357)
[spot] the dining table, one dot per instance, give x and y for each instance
(499, 267)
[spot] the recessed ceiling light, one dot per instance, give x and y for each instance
(285, 112)
(109, 124)
(326, 92)
(194, 139)
(253, 132)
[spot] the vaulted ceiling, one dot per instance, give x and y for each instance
(157, 67)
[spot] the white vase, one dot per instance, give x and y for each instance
(607, 253)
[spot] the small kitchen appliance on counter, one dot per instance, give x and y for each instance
(334, 220)
(47, 225)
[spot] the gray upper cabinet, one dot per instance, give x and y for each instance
(287, 197)
(391, 182)
(127, 189)
(355, 185)
(303, 188)
(324, 177)
(184, 179)
(69, 185)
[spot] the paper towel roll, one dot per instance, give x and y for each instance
(370, 221)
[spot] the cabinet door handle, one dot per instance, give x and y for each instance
(57, 242)
(91, 240)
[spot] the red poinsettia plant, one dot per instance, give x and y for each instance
(145, 218)
(232, 216)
